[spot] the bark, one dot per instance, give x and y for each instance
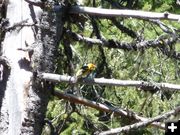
(149, 86)
(105, 108)
(138, 125)
(100, 12)
(30, 48)
(127, 46)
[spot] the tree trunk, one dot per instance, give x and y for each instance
(24, 98)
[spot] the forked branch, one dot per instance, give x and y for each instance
(105, 108)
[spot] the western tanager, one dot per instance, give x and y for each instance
(85, 70)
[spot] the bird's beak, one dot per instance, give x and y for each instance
(94, 67)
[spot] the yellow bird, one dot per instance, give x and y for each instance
(85, 70)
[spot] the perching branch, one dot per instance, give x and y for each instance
(142, 124)
(105, 108)
(123, 13)
(110, 82)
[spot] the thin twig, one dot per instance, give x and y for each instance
(163, 26)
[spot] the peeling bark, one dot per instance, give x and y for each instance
(24, 98)
(4, 73)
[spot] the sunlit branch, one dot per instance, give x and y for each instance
(110, 82)
(141, 124)
(123, 13)
(100, 12)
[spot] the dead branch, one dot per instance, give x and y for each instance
(123, 13)
(164, 27)
(170, 53)
(102, 107)
(110, 82)
(124, 29)
(142, 124)
(34, 3)
(159, 42)
(18, 26)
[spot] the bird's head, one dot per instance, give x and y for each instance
(91, 66)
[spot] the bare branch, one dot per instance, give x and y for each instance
(18, 26)
(170, 53)
(124, 29)
(123, 13)
(163, 26)
(110, 82)
(123, 45)
(34, 3)
(105, 108)
(161, 42)
(142, 124)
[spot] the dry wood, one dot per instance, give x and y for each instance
(123, 13)
(105, 108)
(110, 82)
(141, 124)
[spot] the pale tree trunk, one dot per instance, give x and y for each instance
(24, 98)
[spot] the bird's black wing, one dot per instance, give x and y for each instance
(85, 68)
